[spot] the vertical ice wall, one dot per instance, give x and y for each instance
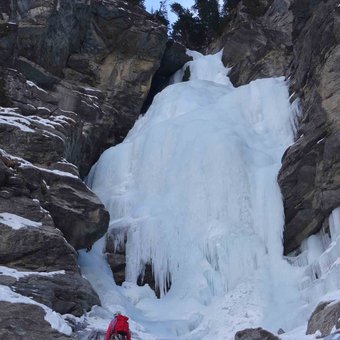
(194, 186)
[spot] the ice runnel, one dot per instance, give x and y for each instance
(194, 186)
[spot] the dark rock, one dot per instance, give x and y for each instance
(257, 41)
(36, 249)
(4, 173)
(110, 46)
(116, 256)
(87, 219)
(43, 248)
(309, 177)
(256, 7)
(325, 317)
(62, 194)
(8, 35)
(117, 262)
(67, 293)
(36, 73)
(187, 74)
(25, 321)
(174, 58)
(255, 334)
(29, 140)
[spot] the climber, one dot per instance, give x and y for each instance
(118, 328)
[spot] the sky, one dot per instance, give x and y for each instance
(172, 17)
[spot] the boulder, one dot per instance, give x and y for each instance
(325, 317)
(66, 293)
(255, 334)
(61, 194)
(87, 219)
(36, 249)
(26, 321)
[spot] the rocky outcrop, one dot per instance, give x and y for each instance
(300, 40)
(97, 59)
(26, 321)
(73, 78)
(116, 255)
(257, 41)
(255, 334)
(310, 174)
(324, 319)
(65, 293)
(174, 58)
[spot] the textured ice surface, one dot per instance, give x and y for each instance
(194, 188)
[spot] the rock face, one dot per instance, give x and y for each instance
(174, 58)
(325, 317)
(97, 59)
(65, 293)
(300, 40)
(73, 78)
(255, 334)
(257, 40)
(310, 174)
(24, 321)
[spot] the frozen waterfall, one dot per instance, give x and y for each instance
(193, 188)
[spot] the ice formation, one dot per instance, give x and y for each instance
(194, 188)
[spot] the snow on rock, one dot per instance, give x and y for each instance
(17, 222)
(19, 274)
(53, 318)
(32, 84)
(8, 116)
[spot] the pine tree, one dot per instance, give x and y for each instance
(162, 14)
(208, 12)
(188, 29)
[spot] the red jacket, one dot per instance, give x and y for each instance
(118, 324)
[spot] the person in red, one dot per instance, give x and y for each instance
(118, 326)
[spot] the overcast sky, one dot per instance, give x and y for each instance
(172, 17)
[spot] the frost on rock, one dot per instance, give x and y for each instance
(194, 186)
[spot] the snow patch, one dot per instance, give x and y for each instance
(19, 274)
(17, 222)
(30, 83)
